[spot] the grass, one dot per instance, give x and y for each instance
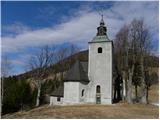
(120, 110)
(154, 94)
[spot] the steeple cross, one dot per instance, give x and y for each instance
(102, 16)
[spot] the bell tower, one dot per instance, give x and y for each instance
(100, 67)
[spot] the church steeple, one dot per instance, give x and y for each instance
(102, 21)
(101, 30)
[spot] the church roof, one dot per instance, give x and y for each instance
(78, 72)
(100, 38)
(59, 92)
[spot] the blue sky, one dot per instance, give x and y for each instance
(27, 25)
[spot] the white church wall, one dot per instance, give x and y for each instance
(71, 92)
(82, 96)
(54, 100)
(100, 71)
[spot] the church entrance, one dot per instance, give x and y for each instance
(98, 95)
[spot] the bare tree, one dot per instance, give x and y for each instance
(143, 43)
(41, 60)
(38, 64)
(121, 54)
(60, 56)
(132, 45)
(72, 50)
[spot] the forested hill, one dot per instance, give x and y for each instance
(63, 65)
(152, 61)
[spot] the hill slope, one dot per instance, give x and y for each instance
(122, 111)
(153, 62)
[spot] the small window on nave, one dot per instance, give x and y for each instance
(82, 93)
(58, 99)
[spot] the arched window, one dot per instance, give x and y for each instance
(99, 50)
(98, 89)
(82, 93)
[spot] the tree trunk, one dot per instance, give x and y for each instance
(143, 85)
(129, 85)
(147, 95)
(38, 95)
(129, 89)
(124, 87)
(143, 94)
(61, 75)
(124, 90)
(136, 92)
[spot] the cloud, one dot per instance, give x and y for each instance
(18, 64)
(82, 28)
(14, 29)
(72, 31)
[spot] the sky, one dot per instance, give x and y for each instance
(28, 25)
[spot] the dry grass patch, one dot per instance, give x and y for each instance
(122, 110)
(154, 94)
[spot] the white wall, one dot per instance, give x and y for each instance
(100, 72)
(71, 92)
(84, 87)
(53, 101)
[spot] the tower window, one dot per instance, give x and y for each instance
(99, 50)
(82, 93)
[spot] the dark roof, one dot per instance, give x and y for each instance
(85, 66)
(59, 91)
(78, 72)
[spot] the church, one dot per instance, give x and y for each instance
(92, 81)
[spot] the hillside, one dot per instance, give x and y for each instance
(82, 56)
(153, 63)
(121, 110)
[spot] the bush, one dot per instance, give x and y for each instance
(17, 95)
